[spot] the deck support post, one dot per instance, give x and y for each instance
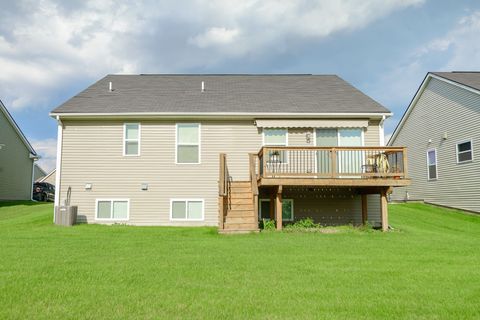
(384, 209)
(364, 209)
(272, 205)
(278, 207)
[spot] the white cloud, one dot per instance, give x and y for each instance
(47, 46)
(47, 149)
(457, 50)
(215, 36)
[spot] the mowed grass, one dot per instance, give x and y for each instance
(428, 268)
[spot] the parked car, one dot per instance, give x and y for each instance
(43, 191)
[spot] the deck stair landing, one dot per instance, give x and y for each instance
(240, 213)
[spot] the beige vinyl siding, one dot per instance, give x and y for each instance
(93, 153)
(372, 134)
(442, 108)
(15, 164)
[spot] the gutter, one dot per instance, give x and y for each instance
(222, 115)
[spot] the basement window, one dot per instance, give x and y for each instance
(112, 209)
(464, 151)
(187, 209)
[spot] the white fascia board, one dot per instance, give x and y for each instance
(219, 115)
(17, 128)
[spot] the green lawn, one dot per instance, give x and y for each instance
(428, 268)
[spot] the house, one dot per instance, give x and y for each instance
(48, 178)
(17, 160)
(441, 130)
(38, 173)
(225, 150)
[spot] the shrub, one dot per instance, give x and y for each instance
(268, 224)
(305, 223)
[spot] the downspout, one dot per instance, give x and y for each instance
(382, 132)
(34, 158)
(58, 164)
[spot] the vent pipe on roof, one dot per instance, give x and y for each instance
(203, 86)
(110, 86)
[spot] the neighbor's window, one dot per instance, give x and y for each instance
(131, 139)
(464, 151)
(432, 164)
(188, 143)
(272, 138)
(186, 209)
(113, 209)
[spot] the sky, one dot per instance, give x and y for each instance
(51, 50)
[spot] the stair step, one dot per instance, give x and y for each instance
(241, 201)
(241, 214)
(236, 220)
(233, 207)
(234, 190)
(243, 184)
(240, 226)
(244, 195)
(238, 212)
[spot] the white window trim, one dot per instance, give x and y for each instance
(186, 207)
(111, 209)
(199, 143)
(125, 140)
(436, 165)
(268, 200)
(471, 150)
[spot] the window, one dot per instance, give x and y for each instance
(188, 143)
(432, 164)
(464, 151)
(131, 139)
(186, 209)
(287, 209)
(113, 209)
(276, 137)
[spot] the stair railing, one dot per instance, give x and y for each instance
(254, 183)
(223, 190)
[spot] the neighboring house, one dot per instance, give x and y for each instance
(38, 173)
(441, 129)
(17, 158)
(225, 150)
(49, 178)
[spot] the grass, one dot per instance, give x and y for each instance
(428, 268)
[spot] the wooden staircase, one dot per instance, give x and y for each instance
(239, 209)
(237, 201)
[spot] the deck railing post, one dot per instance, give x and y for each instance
(333, 153)
(405, 163)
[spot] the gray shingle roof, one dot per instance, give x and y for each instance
(223, 94)
(468, 78)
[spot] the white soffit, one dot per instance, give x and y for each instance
(324, 123)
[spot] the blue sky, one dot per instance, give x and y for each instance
(50, 50)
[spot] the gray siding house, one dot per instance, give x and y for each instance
(225, 150)
(17, 158)
(441, 129)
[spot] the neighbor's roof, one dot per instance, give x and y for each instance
(223, 94)
(17, 128)
(468, 78)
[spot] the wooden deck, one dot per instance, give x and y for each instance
(370, 170)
